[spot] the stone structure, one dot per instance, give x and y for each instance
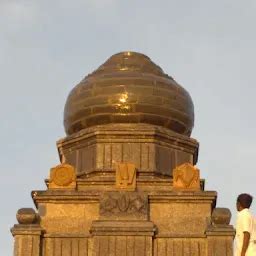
(127, 183)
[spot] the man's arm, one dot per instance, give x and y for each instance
(246, 241)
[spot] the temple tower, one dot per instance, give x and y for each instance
(127, 183)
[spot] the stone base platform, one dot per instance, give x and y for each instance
(127, 223)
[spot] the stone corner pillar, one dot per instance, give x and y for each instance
(220, 234)
(26, 239)
(27, 234)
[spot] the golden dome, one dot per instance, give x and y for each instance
(129, 88)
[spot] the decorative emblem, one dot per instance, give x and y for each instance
(126, 176)
(26, 216)
(62, 176)
(124, 205)
(186, 177)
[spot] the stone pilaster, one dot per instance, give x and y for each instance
(220, 241)
(122, 238)
(123, 227)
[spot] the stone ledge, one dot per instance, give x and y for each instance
(125, 129)
(179, 236)
(26, 229)
(189, 145)
(62, 235)
(122, 228)
(67, 196)
(221, 230)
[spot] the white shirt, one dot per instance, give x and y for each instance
(245, 223)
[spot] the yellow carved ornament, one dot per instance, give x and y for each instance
(62, 175)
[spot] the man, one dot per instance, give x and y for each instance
(245, 227)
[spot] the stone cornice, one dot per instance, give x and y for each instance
(26, 229)
(128, 228)
(224, 230)
(76, 197)
(139, 133)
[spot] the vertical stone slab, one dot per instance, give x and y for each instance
(164, 160)
(112, 245)
(169, 246)
(220, 241)
(120, 246)
(187, 247)
(27, 239)
(104, 245)
(75, 247)
(99, 156)
(83, 247)
(107, 156)
(66, 247)
(96, 246)
(161, 246)
(130, 245)
(152, 158)
(132, 153)
(169, 249)
(57, 246)
(144, 158)
(140, 246)
(220, 246)
(116, 154)
(195, 248)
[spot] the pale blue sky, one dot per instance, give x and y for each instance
(48, 46)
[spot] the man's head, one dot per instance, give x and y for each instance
(243, 201)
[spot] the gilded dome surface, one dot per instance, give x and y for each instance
(129, 88)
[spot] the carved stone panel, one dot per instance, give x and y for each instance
(186, 177)
(126, 176)
(124, 206)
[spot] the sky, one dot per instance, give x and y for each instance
(47, 47)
